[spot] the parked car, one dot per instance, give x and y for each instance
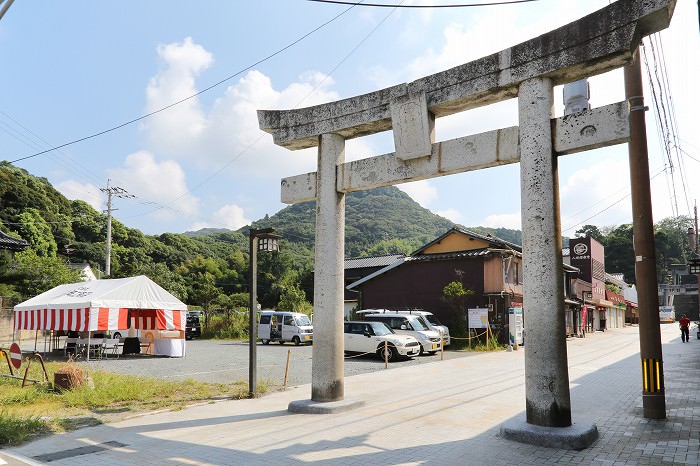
(193, 327)
(431, 320)
(408, 324)
(369, 337)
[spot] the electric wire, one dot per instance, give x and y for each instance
(662, 130)
(583, 222)
(185, 99)
(399, 5)
(250, 146)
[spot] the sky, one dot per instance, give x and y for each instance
(73, 69)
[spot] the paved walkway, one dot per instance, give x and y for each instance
(447, 412)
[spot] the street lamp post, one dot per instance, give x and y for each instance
(263, 240)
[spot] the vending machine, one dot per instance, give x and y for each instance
(515, 325)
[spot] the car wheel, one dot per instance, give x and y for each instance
(296, 341)
(431, 353)
(117, 335)
(421, 351)
(265, 342)
(392, 354)
(281, 342)
(188, 337)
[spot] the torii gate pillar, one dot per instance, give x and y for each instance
(546, 376)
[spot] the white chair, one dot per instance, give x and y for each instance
(111, 345)
(97, 346)
(81, 347)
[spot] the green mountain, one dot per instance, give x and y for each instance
(381, 220)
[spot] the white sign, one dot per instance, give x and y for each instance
(479, 317)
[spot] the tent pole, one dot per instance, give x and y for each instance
(36, 337)
(87, 354)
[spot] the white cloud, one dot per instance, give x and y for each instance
(174, 130)
(420, 191)
(512, 220)
(597, 194)
(154, 181)
(228, 132)
(229, 216)
(84, 191)
(451, 214)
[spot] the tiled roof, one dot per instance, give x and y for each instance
(372, 261)
(12, 243)
(450, 255)
(493, 242)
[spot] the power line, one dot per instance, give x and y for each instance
(582, 222)
(453, 5)
(249, 146)
(218, 83)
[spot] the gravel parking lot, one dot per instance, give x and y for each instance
(226, 361)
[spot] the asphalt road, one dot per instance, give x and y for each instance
(226, 361)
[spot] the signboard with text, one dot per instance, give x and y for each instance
(479, 317)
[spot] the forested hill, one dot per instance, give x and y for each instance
(378, 221)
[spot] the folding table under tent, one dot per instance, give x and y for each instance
(106, 305)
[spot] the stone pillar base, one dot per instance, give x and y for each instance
(575, 437)
(327, 407)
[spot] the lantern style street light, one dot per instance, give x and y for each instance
(694, 265)
(260, 240)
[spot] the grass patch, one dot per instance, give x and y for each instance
(16, 429)
(38, 408)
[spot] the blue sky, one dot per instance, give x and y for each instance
(75, 68)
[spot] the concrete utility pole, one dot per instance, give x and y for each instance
(116, 192)
(653, 393)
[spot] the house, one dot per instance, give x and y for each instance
(12, 244)
(680, 291)
(86, 273)
(488, 266)
(360, 267)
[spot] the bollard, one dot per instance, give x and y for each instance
(386, 354)
(442, 346)
(286, 369)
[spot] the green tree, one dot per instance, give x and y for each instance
(293, 299)
(592, 231)
(37, 233)
(41, 273)
(391, 246)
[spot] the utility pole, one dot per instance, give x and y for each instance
(114, 191)
(653, 392)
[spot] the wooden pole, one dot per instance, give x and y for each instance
(386, 354)
(286, 369)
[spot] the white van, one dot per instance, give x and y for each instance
(282, 327)
(428, 317)
(407, 324)
(434, 324)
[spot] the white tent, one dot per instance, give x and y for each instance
(102, 305)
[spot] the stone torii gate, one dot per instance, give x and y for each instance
(602, 41)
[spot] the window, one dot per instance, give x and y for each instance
(265, 319)
(288, 320)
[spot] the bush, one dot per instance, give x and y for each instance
(233, 325)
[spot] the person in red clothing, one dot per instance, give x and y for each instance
(685, 328)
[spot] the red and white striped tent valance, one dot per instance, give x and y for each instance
(90, 319)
